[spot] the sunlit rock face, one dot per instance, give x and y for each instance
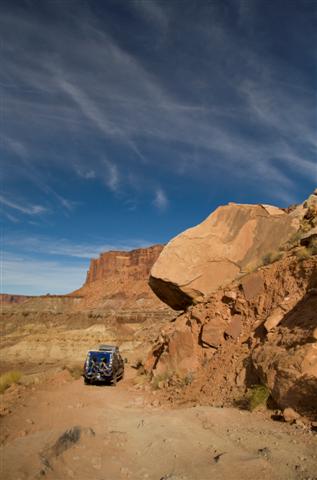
(230, 242)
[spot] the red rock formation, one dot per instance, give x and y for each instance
(260, 329)
(118, 281)
(243, 328)
(9, 299)
(212, 254)
(135, 264)
(116, 284)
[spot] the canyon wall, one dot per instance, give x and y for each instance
(117, 281)
(134, 265)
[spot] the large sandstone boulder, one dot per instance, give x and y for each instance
(231, 241)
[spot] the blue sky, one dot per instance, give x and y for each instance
(125, 122)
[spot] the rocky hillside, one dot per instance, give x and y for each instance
(241, 328)
(115, 305)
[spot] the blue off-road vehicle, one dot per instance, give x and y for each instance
(103, 365)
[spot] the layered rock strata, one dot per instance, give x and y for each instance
(118, 281)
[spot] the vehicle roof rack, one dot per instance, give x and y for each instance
(107, 348)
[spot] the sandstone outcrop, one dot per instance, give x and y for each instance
(135, 264)
(227, 343)
(118, 281)
(230, 242)
(241, 329)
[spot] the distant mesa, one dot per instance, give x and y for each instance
(11, 299)
(118, 281)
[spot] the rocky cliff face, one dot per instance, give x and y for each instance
(239, 328)
(117, 282)
(133, 265)
(260, 329)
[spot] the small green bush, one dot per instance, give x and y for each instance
(303, 253)
(8, 378)
(163, 377)
(251, 267)
(187, 380)
(258, 395)
(271, 257)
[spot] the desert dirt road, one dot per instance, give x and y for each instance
(63, 430)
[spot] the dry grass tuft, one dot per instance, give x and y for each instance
(76, 371)
(9, 378)
(303, 253)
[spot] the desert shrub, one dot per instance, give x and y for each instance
(163, 377)
(9, 378)
(186, 380)
(251, 267)
(76, 371)
(291, 242)
(139, 366)
(171, 379)
(257, 395)
(313, 246)
(303, 253)
(271, 257)
(142, 379)
(305, 226)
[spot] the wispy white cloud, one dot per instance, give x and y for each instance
(111, 176)
(65, 248)
(102, 90)
(68, 205)
(160, 199)
(152, 11)
(23, 208)
(23, 274)
(14, 146)
(12, 218)
(86, 173)
(89, 108)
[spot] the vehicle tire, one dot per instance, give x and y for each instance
(87, 382)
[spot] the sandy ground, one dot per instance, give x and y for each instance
(62, 429)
